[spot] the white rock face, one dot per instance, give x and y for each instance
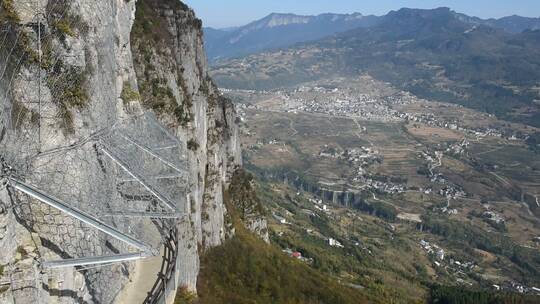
(96, 51)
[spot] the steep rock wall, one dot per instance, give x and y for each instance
(100, 63)
(172, 79)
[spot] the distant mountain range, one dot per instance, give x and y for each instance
(512, 24)
(435, 54)
(283, 30)
(279, 30)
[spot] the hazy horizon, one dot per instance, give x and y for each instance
(224, 14)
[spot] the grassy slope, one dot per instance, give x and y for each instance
(247, 270)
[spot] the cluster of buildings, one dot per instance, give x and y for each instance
(363, 156)
(348, 102)
(439, 256)
(335, 243)
(449, 191)
(458, 148)
(452, 192)
(433, 250)
(433, 121)
(493, 217)
(517, 287)
(319, 205)
(360, 159)
(378, 186)
(345, 103)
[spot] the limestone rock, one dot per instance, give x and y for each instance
(91, 51)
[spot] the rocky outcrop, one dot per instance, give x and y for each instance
(101, 61)
(243, 200)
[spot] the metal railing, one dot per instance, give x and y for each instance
(166, 278)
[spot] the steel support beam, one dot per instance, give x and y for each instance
(163, 215)
(140, 179)
(165, 147)
(78, 214)
(95, 260)
(162, 176)
(149, 151)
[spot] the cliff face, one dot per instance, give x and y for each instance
(101, 61)
(172, 77)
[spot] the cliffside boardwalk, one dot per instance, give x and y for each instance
(133, 159)
(99, 115)
(149, 164)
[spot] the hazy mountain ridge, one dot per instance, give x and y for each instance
(284, 30)
(279, 30)
(432, 53)
(511, 24)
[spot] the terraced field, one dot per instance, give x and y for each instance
(415, 180)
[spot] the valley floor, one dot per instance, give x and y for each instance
(414, 192)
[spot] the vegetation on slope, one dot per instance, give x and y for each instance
(534, 142)
(247, 270)
(458, 295)
(525, 261)
(150, 60)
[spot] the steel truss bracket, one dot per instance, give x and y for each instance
(81, 215)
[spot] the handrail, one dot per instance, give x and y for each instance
(167, 271)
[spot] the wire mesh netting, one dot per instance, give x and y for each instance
(127, 177)
(88, 180)
(148, 157)
(129, 174)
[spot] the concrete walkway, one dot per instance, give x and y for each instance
(141, 280)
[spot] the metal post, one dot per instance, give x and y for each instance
(157, 177)
(165, 147)
(162, 215)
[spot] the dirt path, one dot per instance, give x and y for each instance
(291, 126)
(360, 132)
(502, 179)
(489, 151)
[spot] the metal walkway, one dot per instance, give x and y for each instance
(158, 175)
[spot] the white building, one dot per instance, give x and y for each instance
(280, 219)
(440, 255)
(334, 243)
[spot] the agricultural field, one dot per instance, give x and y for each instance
(384, 172)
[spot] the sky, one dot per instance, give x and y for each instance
(228, 13)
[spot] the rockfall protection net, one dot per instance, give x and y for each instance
(131, 175)
(126, 177)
